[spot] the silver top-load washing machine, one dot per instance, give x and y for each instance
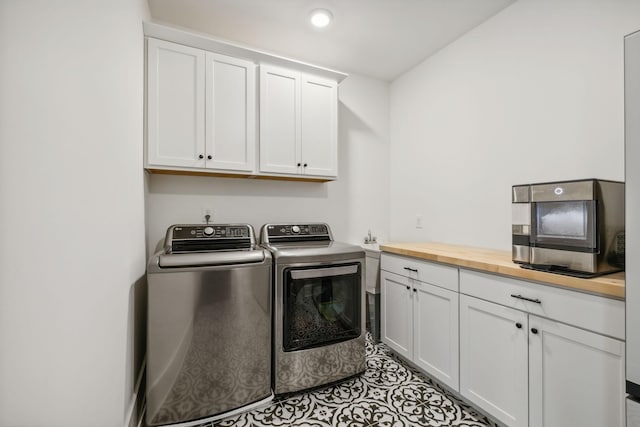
(209, 324)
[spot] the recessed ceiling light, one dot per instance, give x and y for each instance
(320, 18)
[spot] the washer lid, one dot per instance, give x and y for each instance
(206, 259)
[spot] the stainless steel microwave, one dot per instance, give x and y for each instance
(571, 227)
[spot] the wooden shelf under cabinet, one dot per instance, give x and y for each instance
(236, 175)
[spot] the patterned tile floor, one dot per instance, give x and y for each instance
(388, 393)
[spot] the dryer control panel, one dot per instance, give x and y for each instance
(295, 233)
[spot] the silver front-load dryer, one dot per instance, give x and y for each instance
(319, 312)
(209, 324)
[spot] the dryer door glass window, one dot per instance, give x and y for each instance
(321, 305)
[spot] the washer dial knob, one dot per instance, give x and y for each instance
(208, 231)
(295, 229)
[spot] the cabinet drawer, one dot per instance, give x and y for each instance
(591, 312)
(428, 272)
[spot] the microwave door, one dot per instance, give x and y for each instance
(565, 225)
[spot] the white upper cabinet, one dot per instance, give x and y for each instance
(230, 113)
(298, 123)
(319, 122)
(201, 109)
(279, 120)
(175, 107)
(207, 115)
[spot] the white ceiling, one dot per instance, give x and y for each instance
(376, 38)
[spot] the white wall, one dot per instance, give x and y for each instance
(72, 209)
(533, 94)
(350, 205)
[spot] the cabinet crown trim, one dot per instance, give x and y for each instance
(204, 41)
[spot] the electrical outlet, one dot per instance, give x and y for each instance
(418, 221)
(206, 211)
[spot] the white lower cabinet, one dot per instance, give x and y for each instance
(493, 359)
(526, 353)
(576, 377)
(528, 370)
(419, 320)
(396, 313)
(435, 333)
(633, 412)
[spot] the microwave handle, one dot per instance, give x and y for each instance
(324, 272)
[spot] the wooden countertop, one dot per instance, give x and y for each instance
(499, 262)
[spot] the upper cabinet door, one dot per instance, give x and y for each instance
(175, 107)
(279, 120)
(319, 126)
(230, 113)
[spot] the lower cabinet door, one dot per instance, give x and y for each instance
(576, 377)
(633, 412)
(396, 313)
(436, 333)
(493, 359)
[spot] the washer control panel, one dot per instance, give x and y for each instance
(209, 237)
(210, 231)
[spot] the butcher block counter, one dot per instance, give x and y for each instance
(499, 262)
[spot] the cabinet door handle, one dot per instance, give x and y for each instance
(415, 290)
(518, 325)
(408, 287)
(201, 156)
(534, 330)
(415, 270)
(537, 301)
(305, 165)
(299, 164)
(209, 157)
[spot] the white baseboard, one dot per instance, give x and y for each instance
(136, 399)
